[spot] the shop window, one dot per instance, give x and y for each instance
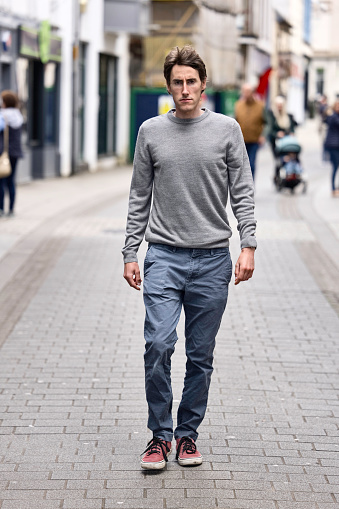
(42, 114)
(107, 105)
(36, 104)
(50, 94)
(6, 76)
(82, 97)
(320, 81)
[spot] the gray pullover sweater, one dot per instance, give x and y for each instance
(188, 167)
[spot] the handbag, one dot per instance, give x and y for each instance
(5, 164)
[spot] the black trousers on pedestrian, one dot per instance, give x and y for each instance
(9, 184)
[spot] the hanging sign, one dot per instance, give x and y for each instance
(41, 44)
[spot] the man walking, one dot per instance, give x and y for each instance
(250, 113)
(187, 160)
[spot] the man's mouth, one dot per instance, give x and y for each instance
(185, 100)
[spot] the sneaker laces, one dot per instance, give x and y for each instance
(157, 446)
(188, 446)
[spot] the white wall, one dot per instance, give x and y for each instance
(296, 83)
(123, 98)
(63, 17)
(325, 41)
(217, 43)
(92, 32)
(283, 8)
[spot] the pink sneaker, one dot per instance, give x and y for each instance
(187, 453)
(155, 454)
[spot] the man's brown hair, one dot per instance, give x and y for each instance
(184, 56)
(10, 99)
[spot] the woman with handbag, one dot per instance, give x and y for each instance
(11, 122)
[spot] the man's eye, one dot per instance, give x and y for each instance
(176, 82)
(191, 82)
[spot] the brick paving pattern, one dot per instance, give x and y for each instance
(72, 404)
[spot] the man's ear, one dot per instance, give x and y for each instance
(168, 89)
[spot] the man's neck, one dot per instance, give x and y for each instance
(190, 115)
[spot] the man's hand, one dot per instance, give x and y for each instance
(262, 141)
(132, 275)
(245, 265)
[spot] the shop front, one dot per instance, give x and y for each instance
(38, 86)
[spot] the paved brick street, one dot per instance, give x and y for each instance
(72, 405)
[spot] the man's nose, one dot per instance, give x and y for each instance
(185, 89)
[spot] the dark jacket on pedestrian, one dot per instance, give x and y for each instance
(273, 126)
(332, 137)
(14, 120)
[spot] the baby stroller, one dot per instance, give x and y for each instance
(289, 172)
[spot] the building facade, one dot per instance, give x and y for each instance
(255, 39)
(31, 57)
(69, 63)
(210, 26)
(292, 54)
(88, 72)
(324, 68)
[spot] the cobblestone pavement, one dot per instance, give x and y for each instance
(72, 405)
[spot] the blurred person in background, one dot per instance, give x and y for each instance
(324, 111)
(279, 122)
(10, 116)
(332, 143)
(250, 114)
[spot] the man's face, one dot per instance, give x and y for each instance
(186, 88)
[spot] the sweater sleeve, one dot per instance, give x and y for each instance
(139, 199)
(241, 188)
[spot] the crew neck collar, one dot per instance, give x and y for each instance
(170, 116)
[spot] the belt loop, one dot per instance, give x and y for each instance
(174, 249)
(212, 252)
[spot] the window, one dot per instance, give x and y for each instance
(107, 105)
(320, 81)
(307, 20)
(50, 96)
(82, 97)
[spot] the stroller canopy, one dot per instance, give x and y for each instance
(288, 144)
